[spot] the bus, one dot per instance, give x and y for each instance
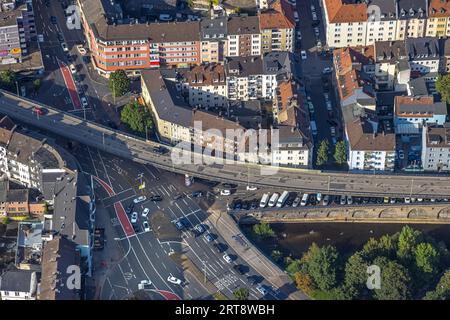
(273, 199)
(282, 199)
(264, 200)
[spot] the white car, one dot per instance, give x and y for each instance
(146, 226)
(333, 131)
(72, 68)
(225, 192)
(134, 217)
(145, 212)
(81, 50)
(139, 199)
(316, 31)
(174, 280)
(326, 70)
(144, 284)
(407, 200)
(64, 47)
(299, 35)
(251, 188)
(84, 102)
(40, 37)
(261, 290)
(303, 55)
(227, 258)
(314, 15)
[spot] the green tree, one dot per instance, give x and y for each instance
(443, 87)
(381, 247)
(322, 153)
(8, 80)
(340, 153)
(355, 275)
(395, 280)
(277, 256)
(407, 242)
(136, 117)
(427, 258)
(263, 230)
(4, 220)
(303, 282)
(442, 291)
(241, 294)
(322, 266)
(119, 83)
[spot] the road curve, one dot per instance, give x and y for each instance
(139, 150)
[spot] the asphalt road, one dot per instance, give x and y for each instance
(147, 257)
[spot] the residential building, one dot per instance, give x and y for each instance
(438, 22)
(354, 68)
(369, 147)
(207, 86)
(213, 36)
(436, 147)
(29, 246)
(445, 57)
(411, 113)
(391, 60)
(277, 26)
(424, 54)
(244, 37)
(382, 22)
(345, 23)
(59, 257)
(412, 16)
(18, 285)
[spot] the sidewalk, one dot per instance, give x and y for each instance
(227, 228)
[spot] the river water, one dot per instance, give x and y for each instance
(295, 238)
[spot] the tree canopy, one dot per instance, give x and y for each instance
(443, 87)
(263, 230)
(241, 294)
(119, 83)
(340, 153)
(136, 117)
(322, 153)
(7, 80)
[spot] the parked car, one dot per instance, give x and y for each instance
(261, 290)
(303, 55)
(273, 199)
(53, 20)
(146, 226)
(145, 212)
(84, 102)
(225, 192)
(197, 194)
(316, 31)
(208, 237)
(40, 37)
(349, 200)
(326, 200)
(179, 225)
(174, 280)
(134, 217)
(64, 47)
(296, 202)
(251, 188)
(155, 198)
(326, 70)
(72, 68)
(343, 200)
(227, 258)
(139, 199)
(199, 228)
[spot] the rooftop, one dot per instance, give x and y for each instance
(437, 136)
(342, 11)
(418, 107)
(213, 28)
(206, 75)
(279, 16)
(238, 25)
(17, 280)
(439, 8)
(390, 51)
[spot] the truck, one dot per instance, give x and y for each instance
(313, 127)
(282, 199)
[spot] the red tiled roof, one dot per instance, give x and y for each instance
(341, 12)
(441, 8)
(279, 16)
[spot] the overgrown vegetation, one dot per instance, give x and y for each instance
(119, 83)
(412, 266)
(263, 230)
(137, 118)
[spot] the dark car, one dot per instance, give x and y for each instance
(155, 198)
(241, 269)
(159, 150)
(53, 20)
(254, 204)
(60, 37)
(197, 194)
(130, 208)
(238, 205)
(178, 196)
(254, 279)
(246, 205)
(40, 111)
(229, 186)
(220, 247)
(366, 200)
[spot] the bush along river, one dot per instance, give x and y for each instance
(331, 260)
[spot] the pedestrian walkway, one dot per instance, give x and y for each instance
(229, 230)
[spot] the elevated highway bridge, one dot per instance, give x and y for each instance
(128, 146)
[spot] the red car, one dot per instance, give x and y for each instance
(40, 111)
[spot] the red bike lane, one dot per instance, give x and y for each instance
(118, 208)
(70, 85)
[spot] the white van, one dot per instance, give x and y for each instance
(273, 199)
(264, 200)
(304, 200)
(282, 199)
(296, 18)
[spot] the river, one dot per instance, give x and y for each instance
(295, 238)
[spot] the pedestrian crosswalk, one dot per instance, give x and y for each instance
(225, 281)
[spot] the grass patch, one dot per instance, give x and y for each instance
(219, 296)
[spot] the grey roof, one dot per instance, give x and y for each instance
(390, 51)
(29, 234)
(166, 100)
(211, 29)
(23, 147)
(244, 66)
(386, 98)
(17, 195)
(16, 280)
(422, 48)
(279, 63)
(408, 9)
(238, 25)
(438, 108)
(418, 87)
(4, 186)
(288, 134)
(71, 208)
(403, 65)
(446, 50)
(388, 8)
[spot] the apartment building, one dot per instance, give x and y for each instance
(207, 86)
(294, 147)
(382, 22)
(17, 27)
(412, 15)
(438, 22)
(244, 37)
(424, 54)
(277, 26)
(368, 146)
(18, 285)
(345, 23)
(391, 64)
(354, 69)
(412, 113)
(436, 147)
(213, 36)
(445, 57)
